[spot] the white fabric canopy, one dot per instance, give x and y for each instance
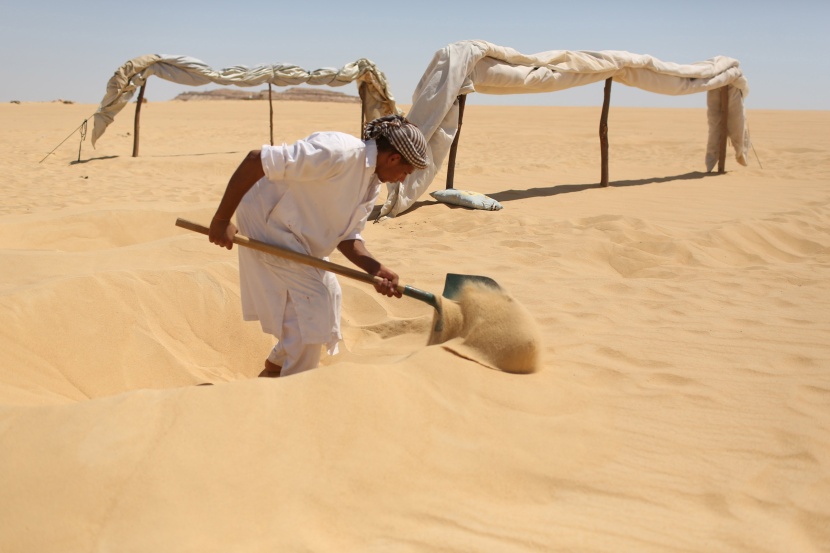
(372, 84)
(479, 66)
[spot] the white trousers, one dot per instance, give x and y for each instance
(290, 353)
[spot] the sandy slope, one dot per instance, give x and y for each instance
(682, 404)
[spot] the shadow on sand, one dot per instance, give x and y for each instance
(82, 161)
(155, 156)
(196, 154)
(542, 192)
(509, 195)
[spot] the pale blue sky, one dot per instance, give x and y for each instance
(69, 49)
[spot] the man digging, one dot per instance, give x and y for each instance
(311, 197)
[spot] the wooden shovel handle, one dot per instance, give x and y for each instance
(287, 254)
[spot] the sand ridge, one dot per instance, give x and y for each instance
(680, 403)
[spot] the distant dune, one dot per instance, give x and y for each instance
(288, 94)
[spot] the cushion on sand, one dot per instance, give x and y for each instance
(465, 198)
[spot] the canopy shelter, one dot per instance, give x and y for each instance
(373, 88)
(470, 66)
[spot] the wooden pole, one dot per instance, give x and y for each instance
(462, 99)
(137, 118)
(603, 132)
(270, 114)
(361, 91)
(724, 128)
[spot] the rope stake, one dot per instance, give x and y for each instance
(83, 135)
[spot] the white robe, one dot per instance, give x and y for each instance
(315, 193)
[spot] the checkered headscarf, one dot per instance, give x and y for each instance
(403, 135)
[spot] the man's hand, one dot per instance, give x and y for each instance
(389, 286)
(356, 252)
(222, 233)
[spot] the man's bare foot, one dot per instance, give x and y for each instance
(271, 370)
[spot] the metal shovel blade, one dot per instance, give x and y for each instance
(454, 283)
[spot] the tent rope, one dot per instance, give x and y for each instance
(83, 135)
(752, 145)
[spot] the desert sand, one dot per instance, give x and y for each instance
(682, 402)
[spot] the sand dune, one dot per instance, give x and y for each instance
(682, 398)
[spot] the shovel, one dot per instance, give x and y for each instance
(452, 284)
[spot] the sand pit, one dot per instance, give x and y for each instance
(488, 326)
(679, 401)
